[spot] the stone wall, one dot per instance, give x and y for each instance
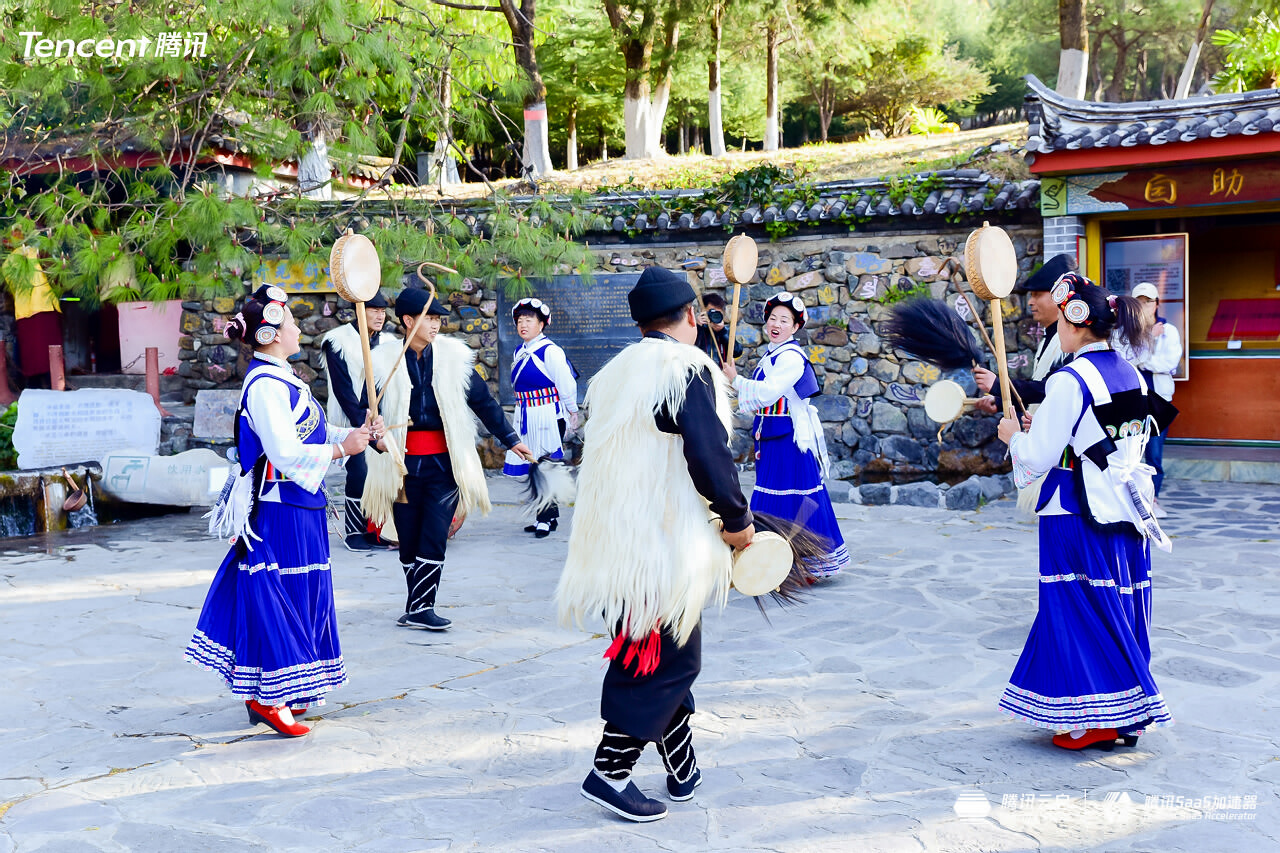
(878, 436)
(872, 401)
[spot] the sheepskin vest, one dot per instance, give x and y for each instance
(453, 362)
(643, 549)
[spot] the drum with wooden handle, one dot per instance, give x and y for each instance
(945, 401)
(354, 267)
(740, 259)
(991, 265)
(357, 273)
(762, 566)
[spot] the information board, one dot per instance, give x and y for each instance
(591, 322)
(61, 427)
(1160, 259)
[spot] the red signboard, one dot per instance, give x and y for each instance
(1190, 186)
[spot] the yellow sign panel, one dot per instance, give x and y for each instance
(294, 276)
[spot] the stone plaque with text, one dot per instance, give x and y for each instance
(591, 322)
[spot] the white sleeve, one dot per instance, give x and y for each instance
(272, 420)
(1036, 451)
(560, 373)
(754, 395)
(1166, 351)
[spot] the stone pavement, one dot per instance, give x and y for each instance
(864, 719)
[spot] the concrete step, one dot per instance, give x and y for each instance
(1222, 463)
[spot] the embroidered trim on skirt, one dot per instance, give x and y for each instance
(789, 485)
(1087, 661)
(268, 625)
(539, 429)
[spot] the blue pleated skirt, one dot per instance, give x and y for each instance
(789, 485)
(268, 625)
(1087, 661)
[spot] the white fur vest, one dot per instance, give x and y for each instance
(453, 362)
(643, 548)
(345, 343)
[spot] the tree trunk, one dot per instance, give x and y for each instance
(314, 169)
(682, 136)
(771, 87)
(443, 170)
(1140, 77)
(571, 147)
(664, 75)
(1193, 55)
(1073, 57)
(604, 146)
(537, 148)
(1115, 90)
(714, 116)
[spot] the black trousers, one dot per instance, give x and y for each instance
(423, 521)
(357, 471)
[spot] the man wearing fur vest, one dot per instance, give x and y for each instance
(444, 477)
(646, 547)
(349, 402)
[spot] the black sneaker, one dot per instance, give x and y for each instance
(629, 803)
(533, 528)
(377, 543)
(542, 530)
(357, 542)
(681, 791)
(426, 619)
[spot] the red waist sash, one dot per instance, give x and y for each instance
(424, 442)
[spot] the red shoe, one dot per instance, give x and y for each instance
(259, 713)
(1104, 739)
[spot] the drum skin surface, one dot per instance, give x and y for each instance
(991, 263)
(944, 401)
(740, 259)
(762, 566)
(355, 268)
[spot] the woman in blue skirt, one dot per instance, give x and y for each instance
(790, 449)
(1085, 670)
(268, 625)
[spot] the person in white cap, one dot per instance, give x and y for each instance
(1157, 363)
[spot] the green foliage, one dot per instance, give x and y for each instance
(136, 205)
(8, 454)
(926, 121)
(1253, 55)
(894, 294)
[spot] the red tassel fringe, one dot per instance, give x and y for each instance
(647, 653)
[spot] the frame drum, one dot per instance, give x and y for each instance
(354, 268)
(740, 258)
(944, 401)
(990, 262)
(762, 566)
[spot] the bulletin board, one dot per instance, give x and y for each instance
(1160, 259)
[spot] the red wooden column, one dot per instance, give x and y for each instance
(153, 378)
(57, 368)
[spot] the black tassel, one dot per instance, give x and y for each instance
(929, 330)
(806, 546)
(549, 482)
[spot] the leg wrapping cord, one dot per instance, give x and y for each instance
(617, 754)
(355, 522)
(422, 577)
(676, 747)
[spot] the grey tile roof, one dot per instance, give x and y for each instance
(951, 192)
(1058, 123)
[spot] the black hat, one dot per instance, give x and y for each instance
(1049, 272)
(378, 301)
(412, 300)
(658, 292)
